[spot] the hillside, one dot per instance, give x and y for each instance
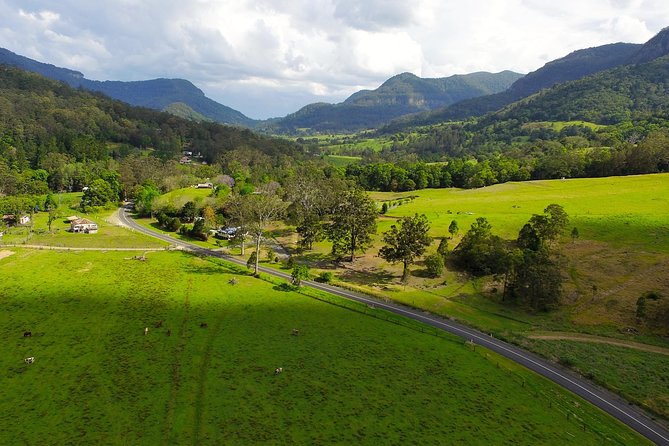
(157, 94)
(630, 92)
(575, 65)
(39, 116)
(400, 95)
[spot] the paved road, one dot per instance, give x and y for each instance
(605, 400)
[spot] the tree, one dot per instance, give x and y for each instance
(384, 207)
(188, 212)
(50, 202)
(479, 251)
(145, 196)
(406, 242)
(528, 238)
(535, 279)
(53, 216)
(299, 273)
(442, 250)
(453, 228)
(236, 212)
(574, 234)
(353, 222)
(262, 209)
(99, 193)
(209, 216)
(252, 261)
(434, 263)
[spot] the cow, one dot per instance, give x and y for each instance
(295, 332)
(29, 360)
(27, 334)
(158, 324)
(169, 332)
(203, 325)
(146, 331)
(278, 370)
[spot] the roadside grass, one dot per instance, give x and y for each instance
(347, 378)
(634, 374)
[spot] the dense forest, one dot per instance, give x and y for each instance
(58, 138)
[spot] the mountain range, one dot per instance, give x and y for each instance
(404, 100)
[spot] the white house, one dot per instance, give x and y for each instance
(84, 225)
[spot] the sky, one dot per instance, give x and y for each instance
(268, 58)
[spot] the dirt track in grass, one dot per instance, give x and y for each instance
(561, 336)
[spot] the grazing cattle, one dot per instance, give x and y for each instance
(146, 331)
(278, 370)
(27, 334)
(169, 332)
(203, 325)
(158, 324)
(296, 332)
(29, 360)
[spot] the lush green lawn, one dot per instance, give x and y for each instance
(628, 211)
(348, 378)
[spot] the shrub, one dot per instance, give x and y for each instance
(434, 264)
(325, 277)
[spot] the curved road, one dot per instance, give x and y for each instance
(605, 400)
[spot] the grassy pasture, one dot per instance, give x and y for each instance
(348, 378)
(628, 211)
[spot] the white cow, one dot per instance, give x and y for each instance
(29, 360)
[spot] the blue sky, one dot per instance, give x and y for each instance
(268, 58)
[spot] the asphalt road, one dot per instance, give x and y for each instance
(605, 400)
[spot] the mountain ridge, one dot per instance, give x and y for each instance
(157, 94)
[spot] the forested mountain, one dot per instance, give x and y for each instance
(627, 93)
(400, 95)
(39, 117)
(574, 66)
(158, 94)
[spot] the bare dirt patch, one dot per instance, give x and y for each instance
(5, 253)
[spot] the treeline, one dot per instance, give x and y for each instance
(634, 150)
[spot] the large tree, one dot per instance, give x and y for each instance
(353, 223)
(479, 251)
(406, 242)
(262, 209)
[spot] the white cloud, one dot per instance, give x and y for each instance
(269, 57)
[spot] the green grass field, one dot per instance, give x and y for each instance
(628, 211)
(348, 378)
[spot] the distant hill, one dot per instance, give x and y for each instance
(400, 95)
(158, 94)
(574, 66)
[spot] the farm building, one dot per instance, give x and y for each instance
(84, 225)
(11, 219)
(204, 186)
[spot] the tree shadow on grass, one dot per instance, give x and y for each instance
(285, 287)
(368, 277)
(318, 260)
